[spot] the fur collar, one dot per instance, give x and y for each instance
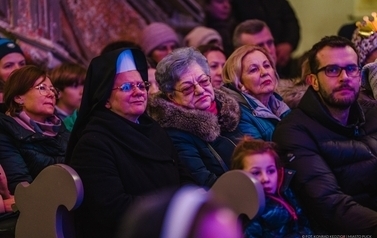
(291, 91)
(203, 124)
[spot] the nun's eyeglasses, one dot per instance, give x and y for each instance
(127, 87)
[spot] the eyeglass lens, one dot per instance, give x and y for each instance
(336, 70)
(190, 88)
(126, 87)
(44, 90)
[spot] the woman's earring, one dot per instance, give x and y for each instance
(243, 89)
(107, 105)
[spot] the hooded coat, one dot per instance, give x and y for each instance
(205, 142)
(336, 165)
(119, 161)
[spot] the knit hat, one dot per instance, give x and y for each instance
(8, 46)
(369, 78)
(156, 34)
(201, 35)
(364, 44)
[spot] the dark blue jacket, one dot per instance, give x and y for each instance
(23, 153)
(282, 215)
(204, 141)
(257, 120)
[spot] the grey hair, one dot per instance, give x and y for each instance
(171, 67)
(252, 27)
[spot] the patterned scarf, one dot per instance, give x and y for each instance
(49, 128)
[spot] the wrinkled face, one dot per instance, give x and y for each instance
(163, 50)
(70, 97)
(258, 75)
(194, 89)
(263, 168)
(339, 91)
(263, 39)
(36, 105)
(216, 61)
(219, 9)
(9, 63)
(128, 104)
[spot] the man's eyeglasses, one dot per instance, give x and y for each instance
(127, 87)
(335, 70)
(44, 90)
(189, 88)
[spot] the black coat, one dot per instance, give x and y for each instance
(118, 162)
(23, 153)
(336, 165)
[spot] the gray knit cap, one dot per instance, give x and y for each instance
(156, 34)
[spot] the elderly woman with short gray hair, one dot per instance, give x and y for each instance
(202, 121)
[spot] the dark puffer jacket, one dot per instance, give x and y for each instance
(202, 139)
(23, 153)
(336, 165)
(282, 215)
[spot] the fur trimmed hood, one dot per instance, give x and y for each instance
(291, 91)
(203, 124)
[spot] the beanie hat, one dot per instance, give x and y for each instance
(201, 35)
(8, 46)
(369, 78)
(156, 34)
(364, 45)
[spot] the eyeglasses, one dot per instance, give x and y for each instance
(127, 87)
(44, 90)
(335, 70)
(189, 88)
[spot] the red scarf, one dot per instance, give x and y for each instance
(213, 108)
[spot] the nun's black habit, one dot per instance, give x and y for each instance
(118, 160)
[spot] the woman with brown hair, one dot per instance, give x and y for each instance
(31, 136)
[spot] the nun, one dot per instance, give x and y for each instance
(119, 152)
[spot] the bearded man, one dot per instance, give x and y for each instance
(331, 142)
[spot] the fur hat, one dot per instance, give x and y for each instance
(364, 45)
(369, 78)
(8, 46)
(156, 34)
(201, 35)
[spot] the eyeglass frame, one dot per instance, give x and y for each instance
(50, 89)
(340, 72)
(194, 85)
(133, 86)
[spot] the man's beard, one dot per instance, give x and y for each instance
(339, 103)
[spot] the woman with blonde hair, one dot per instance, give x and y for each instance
(251, 78)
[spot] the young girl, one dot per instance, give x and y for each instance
(282, 217)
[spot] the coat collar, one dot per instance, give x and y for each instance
(312, 105)
(203, 124)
